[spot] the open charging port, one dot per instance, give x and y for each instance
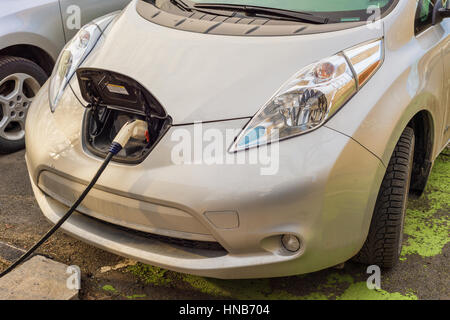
(115, 99)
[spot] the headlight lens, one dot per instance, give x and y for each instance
(311, 96)
(73, 54)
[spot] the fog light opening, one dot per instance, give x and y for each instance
(290, 242)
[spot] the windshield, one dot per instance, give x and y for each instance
(340, 10)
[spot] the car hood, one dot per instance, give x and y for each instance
(204, 77)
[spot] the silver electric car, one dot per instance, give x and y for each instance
(32, 33)
(283, 137)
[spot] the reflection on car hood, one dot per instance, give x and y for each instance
(202, 77)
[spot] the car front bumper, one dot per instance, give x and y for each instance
(323, 192)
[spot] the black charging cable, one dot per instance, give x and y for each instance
(27, 254)
(132, 129)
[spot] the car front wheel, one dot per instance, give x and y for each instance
(20, 80)
(383, 245)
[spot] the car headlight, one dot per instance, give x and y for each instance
(312, 96)
(73, 54)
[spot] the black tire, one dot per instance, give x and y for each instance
(10, 66)
(384, 241)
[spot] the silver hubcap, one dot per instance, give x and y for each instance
(16, 94)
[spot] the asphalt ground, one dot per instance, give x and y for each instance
(423, 272)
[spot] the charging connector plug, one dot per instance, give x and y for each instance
(133, 129)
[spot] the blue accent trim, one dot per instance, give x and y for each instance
(115, 148)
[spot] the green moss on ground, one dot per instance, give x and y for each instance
(359, 291)
(257, 289)
(356, 290)
(427, 219)
(260, 289)
(109, 288)
(136, 296)
(150, 275)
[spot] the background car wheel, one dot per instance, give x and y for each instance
(20, 80)
(384, 241)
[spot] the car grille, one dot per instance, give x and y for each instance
(184, 243)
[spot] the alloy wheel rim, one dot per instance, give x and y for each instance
(17, 91)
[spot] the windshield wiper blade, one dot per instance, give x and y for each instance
(181, 5)
(255, 10)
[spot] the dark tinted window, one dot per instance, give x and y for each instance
(424, 15)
